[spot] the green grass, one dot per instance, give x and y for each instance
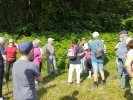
(56, 88)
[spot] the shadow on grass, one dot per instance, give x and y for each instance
(128, 95)
(41, 91)
(50, 78)
(84, 76)
(73, 97)
(106, 60)
(106, 73)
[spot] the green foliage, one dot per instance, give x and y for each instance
(27, 17)
(129, 25)
(62, 43)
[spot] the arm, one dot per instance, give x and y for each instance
(81, 52)
(38, 76)
(116, 47)
(105, 48)
(4, 57)
(44, 49)
(3, 53)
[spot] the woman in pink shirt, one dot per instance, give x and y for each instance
(36, 53)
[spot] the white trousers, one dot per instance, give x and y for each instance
(71, 69)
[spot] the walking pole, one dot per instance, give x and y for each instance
(7, 88)
(6, 81)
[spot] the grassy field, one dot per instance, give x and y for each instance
(56, 88)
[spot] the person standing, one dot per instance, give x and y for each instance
(119, 68)
(2, 59)
(97, 58)
(50, 55)
(74, 54)
(84, 45)
(36, 53)
(10, 50)
(129, 62)
(41, 59)
(24, 73)
(121, 52)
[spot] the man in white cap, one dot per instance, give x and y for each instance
(50, 54)
(96, 47)
(2, 59)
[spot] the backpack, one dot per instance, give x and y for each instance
(99, 49)
(72, 53)
(88, 55)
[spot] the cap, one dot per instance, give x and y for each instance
(95, 34)
(123, 32)
(50, 39)
(25, 46)
(2, 39)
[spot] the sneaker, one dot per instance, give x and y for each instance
(89, 76)
(94, 85)
(103, 83)
(69, 83)
(122, 88)
(2, 98)
(78, 84)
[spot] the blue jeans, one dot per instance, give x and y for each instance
(119, 67)
(97, 66)
(83, 60)
(124, 78)
(124, 73)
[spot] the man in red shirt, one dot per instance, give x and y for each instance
(11, 57)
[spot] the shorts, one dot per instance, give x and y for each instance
(97, 66)
(88, 64)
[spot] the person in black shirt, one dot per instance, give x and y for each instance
(2, 59)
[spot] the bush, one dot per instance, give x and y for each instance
(129, 25)
(62, 43)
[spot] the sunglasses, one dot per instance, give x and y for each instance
(11, 42)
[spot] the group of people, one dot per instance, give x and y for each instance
(90, 55)
(86, 57)
(26, 71)
(124, 59)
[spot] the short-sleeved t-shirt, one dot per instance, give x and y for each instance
(130, 52)
(24, 73)
(49, 49)
(92, 48)
(2, 52)
(11, 53)
(37, 54)
(77, 60)
(122, 50)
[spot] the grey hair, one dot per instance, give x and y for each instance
(36, 42)
(2, 40)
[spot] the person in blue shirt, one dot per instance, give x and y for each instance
(97, 63)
